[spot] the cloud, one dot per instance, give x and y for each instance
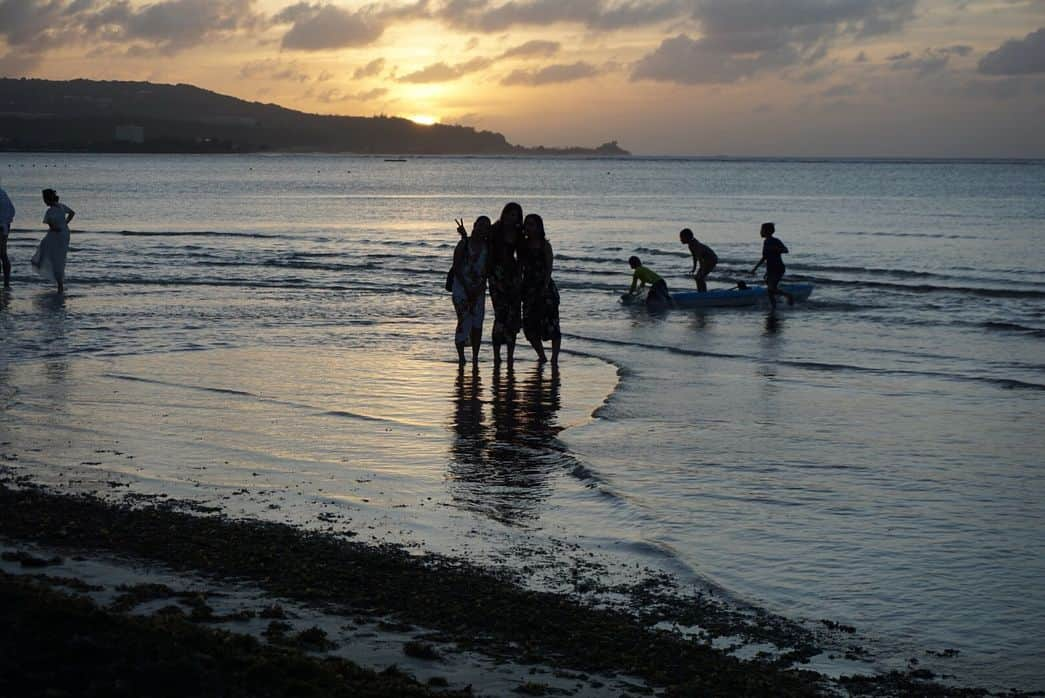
(169, 26)
(744, 37)
(694, 62)
(844, 90)
(324, 27)
(443, 72)
(273, 69)
(483, 15)
(931, 60)
(25, 22)
(1017, 56)
(998, 89)
(28, 27)
(537, 47)
(335, 95)
(557, 73)
(371, 69)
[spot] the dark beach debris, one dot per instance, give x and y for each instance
(71, 583)
(133, 595)
(532, 688)
(840, 627)
(275, 611)
(59, 645)
(314, 639)
(475, 608)
(904, 684)
(421, 650)
(29, 560)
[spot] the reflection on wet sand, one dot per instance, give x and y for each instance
(505, 451)
(53, 325)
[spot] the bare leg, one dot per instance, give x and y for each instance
(460, 353)
(511, 352)
(702, 285)
(477, 338)
(535, 342)
(556, 345)
(5, 262)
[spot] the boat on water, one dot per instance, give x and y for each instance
(726, 297)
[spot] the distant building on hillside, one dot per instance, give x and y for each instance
(129, 134)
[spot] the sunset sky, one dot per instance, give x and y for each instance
(702, 77)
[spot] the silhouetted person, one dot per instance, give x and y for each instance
(506, 281)
(49, 260)
(772, 249)
(540, 294)
(471, 268)
(702, 255)
(7, 216)
(658, 291)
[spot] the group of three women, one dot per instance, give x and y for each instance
(512, 258)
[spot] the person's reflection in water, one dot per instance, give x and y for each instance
(773, 324)
(503, 470)
(541, 396)
(471, 435)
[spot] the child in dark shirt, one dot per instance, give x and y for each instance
(772, 249)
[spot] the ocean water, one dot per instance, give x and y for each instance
(270, 333)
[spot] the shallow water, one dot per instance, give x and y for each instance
(871, 456)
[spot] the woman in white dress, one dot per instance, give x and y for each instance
(471, 269)
(49, 260)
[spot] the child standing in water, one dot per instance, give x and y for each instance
(702, 255)
(658, 292)
(772, 249)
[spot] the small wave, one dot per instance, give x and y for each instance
(941, 236)
(661, 253)
(206, 388)
(1010, 383)
(924, 288)
(355, 415)
(1014, 328)
(182, 233)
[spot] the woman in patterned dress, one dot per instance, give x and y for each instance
(506, 281)
(540, 294)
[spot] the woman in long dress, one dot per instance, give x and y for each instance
(49, 260)
(506, 281)
(471, 268)
(540, 294)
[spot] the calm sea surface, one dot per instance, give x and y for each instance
(872, 456)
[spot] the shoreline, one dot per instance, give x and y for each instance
(477, 609)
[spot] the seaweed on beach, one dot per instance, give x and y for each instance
(58, 645)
